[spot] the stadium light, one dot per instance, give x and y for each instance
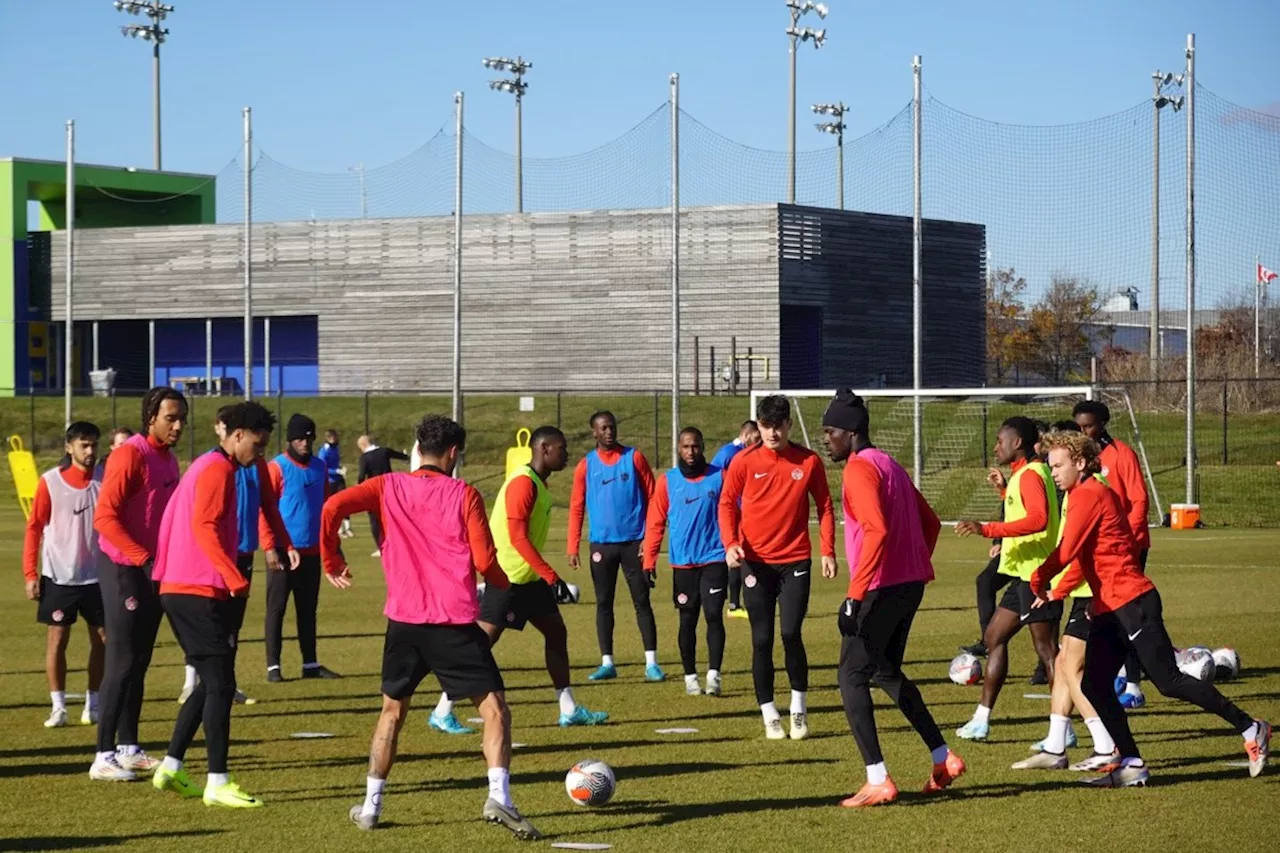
(836, 111)
(152, 32)
(797, 34)
(514, 85)
(1160, 98)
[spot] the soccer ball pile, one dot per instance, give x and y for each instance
(590, 782)
(1204, 664)
(965, 669)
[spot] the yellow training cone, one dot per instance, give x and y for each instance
(22, 464)
(518, 456)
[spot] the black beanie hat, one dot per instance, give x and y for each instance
(300, 426)
(847, 412)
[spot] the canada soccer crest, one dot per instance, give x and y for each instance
(797, 475)
(597, 557)
(58, 615)
(682, 599)
(749, 581)
(131, 603)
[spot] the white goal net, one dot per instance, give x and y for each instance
(958, 428)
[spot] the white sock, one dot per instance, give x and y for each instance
(500, 786)
(606, 660)
(650, 657)
(565, 698)
(189, 678)
(103, 756)
(799, 702)
(939, 755)
(59, 698)
(770, 712)
(91, 700)
(877, 773)
(217, 780)
(173, 765)
(713, 675)
(982, 715)
(1251, 733)
(277, 666)
(128, 749)
(445, 706)
(373, 796)
(346, 526)
(1122, 673)
(1102, 742)
(1133, 688)
(1056, 742)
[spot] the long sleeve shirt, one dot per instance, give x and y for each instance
(1123, 471)
(578, 495)
(122, 477)
(269, 509)
(772, 524)
(863, 501)
(42, 514)
(1035, 500)
(521, 496)
(274, 483)
(215, 495)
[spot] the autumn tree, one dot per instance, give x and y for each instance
(1006, 324)
(1061, 329)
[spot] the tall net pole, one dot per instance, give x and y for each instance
(917, 282)
(675, 267)
(68, 337)
(457, 260)
(248, 253)
(1191, 267)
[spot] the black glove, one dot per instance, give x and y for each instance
(561, 591)
(848, 617)
(652, 577)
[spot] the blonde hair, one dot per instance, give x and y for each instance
(1078, 446)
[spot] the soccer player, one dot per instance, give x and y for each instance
(435, 538)
(60, 565)
(115, 438)
(764, 527)
(140, 477)
(989, 581)
(330, 453)
(1124, 475)
(612, 486)
(374, 462)
(520, 524)
(687, 497)
(1027, 535)
(748, 436)
(199, 579)
(1099, 547)
(890, 533)
(299, 483)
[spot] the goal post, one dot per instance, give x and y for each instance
(958, 427)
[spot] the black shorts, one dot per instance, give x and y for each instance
(337, 483)
(201, 624)
(1018, 597)
(458, 654)
(514, 606)
(60, 604)
(700, 586)
(1078, 622)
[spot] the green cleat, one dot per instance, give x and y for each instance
(231, 796)
(177, 781)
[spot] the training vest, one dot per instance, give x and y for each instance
(302, 499)
(141, 512)
(179, 559)
(69, 552)
(517, 568)
(248, 503)
(1083, 590)
(426, 555)
(615, 501)
(906, 555)
(1020, 556)
(691, 518)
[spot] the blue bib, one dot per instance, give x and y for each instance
(615, 501)
(725, 455)
(248, 502)
(692, 520)
(302, 499)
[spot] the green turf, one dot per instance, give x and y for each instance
(722, 789)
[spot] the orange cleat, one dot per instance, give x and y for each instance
(945, 773)
(872, 795)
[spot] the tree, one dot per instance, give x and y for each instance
(1061, 328)
(1006, 325)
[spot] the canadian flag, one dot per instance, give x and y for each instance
(1266, 276)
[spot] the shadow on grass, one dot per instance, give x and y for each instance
(88, 842)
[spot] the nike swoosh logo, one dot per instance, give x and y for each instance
(848, 608)
(715, 591)
(608, 481)
(692, 500)
(764, 474)
(171, 484)
(82, 510)
(1134, 635)
(1024, 616)
(801, 574)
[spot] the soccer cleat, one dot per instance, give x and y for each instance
(1117, 776)
(231, 796)
(978, 649)
(872, 795)
(109, 770)
(945, 773)
(1072, 742)
(713, 686)
(1132, 701)
(974, 730)
(377, 553)
(691, 686)
(177, 781)
(604, 672)
(57, 719)
(362, 820)
(274, 675)
(1043, 761)
(653, 672)
(1259, 749)
(582, 717)
(1039, 676)
(1120, 685)
(508, 816)
(242, 699)
(319, 672)
(799, 726)
(773, 729)
(186, 694)
(138, 762)
(89, 716)
(738, 613)
(1097, 762)
(448, 724)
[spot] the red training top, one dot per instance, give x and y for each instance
(271, 497)
(864, 503)
(122, 478)
(772, 524)
(578, 497)
(1123, 471)
(521, 497)
(215, 496)
(1034, 499)
(41, 514)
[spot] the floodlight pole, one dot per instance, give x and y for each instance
(518, 67)
(154, 33)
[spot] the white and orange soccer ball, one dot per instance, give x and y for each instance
(965, 669)
(590, 782)
(1196, 662)
(1227, 663)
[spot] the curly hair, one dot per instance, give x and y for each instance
(436, 434)
(154, 399)
(1078, 446)
(248, 415)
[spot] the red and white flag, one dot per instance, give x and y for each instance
(1266, 276)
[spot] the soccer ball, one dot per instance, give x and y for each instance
(1227, 663)
(571, 597)
(1197, 663)
(965, 669)
(590, 782)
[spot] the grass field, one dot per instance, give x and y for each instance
(722, 789)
